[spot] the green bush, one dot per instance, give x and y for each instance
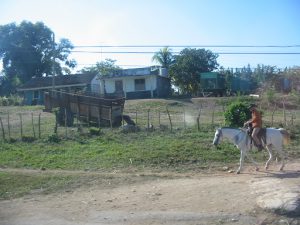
(12, 100)
(28, 139)
(95, 131)
(237, 114)
(4, 101)
(54, 138)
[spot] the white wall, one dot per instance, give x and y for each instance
(95, 85)
(128, 83)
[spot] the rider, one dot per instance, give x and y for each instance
(256, 122)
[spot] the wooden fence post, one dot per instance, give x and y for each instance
(159, 118)
(21, 125)
(136, 116)
(78, 115)
(8, 126)
(213, 114)
(39, 125)
(170, 120)
(2, 128)
(66, 127)
(56, 125)
(223, 108)
(148, 119)
(273, 112)
(184, 124)
(32, 125)
(284, 112)
(89, 114)
(198, 119)
(99, 116)
(110, 117)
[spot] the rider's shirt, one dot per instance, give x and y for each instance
(256, 119)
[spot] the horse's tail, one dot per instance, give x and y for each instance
(286, 136)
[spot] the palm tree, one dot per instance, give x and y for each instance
(164, 57)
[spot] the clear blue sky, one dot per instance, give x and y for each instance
(167, 23)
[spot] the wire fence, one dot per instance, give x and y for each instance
(28, 124)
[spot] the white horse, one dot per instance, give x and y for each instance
(275, 139)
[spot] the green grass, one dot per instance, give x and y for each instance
(114, 149)
(14, 184)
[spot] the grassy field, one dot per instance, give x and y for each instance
(185, 148)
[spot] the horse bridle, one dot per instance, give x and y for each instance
(220, 134)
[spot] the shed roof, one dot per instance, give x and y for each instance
(65, 80)
(134, 72)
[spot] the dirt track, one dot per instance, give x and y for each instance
(218, 198)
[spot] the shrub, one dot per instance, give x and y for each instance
(237, 114)
(4, 101)
(95, 131)
(28, 139)
(12, 100)
(54, 138)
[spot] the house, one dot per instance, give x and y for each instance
(147, 82)
(33, 90)
(134, 83)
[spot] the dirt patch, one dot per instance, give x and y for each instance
(164, 198)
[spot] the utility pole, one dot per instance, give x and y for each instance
(53, 62)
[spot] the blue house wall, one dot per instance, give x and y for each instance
(30, 100)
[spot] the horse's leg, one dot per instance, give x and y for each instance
(241, 161)
(269, 148)
(252, 160)
(282, 156)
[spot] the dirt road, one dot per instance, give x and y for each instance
(166, 198)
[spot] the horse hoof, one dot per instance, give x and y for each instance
(256, 169)
(238, 172)
(266, 167)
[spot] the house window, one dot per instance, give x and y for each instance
(139, 84)
(36, 95)
(119, 85)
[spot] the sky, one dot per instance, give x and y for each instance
(149, 25)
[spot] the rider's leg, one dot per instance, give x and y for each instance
(256, 140)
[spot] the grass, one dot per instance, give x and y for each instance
(114, 149)
(14, 184)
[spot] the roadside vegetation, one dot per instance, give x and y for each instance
(187, 148)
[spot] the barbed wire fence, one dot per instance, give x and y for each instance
(36, 124)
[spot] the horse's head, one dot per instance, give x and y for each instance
(218, 135)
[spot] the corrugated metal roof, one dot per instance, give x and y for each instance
(134, 72)
(65, 80)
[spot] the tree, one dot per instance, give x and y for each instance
(185, 72)
(237, 114)
(28, 50)
(164, 57)
(103, 68)
(228, 75)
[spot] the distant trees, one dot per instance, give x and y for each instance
(102, 68)
(28, 50)
(185, 72)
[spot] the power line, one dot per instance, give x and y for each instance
(219, 53)
(187, 46)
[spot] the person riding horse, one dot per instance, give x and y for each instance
(256, 123)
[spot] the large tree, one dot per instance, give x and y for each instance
(164, 57)
(29, 50)
(185, 72)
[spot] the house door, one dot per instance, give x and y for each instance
(119, 86)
